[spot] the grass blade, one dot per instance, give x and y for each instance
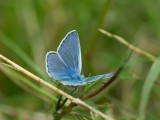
(148, 86)
(21, 54)
(15, 75)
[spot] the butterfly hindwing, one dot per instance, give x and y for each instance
(95, 78)
(70, 51)
(71, 82)
(55, 66)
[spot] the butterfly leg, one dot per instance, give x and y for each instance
(58, 103)
(61, 104)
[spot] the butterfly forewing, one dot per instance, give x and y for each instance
(70, 51)
(55, 66)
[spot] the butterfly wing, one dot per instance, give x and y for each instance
(70, 52)
(95, 78)
(71, 82)
(75, 83)
(55, 67)
(66, 62)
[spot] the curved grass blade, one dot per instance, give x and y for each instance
(147, 88)
(21, 54)
(13, 74)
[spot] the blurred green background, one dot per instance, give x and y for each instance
(31, 28)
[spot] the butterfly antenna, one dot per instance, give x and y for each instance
(59, 105)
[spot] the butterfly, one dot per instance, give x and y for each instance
(65, 65)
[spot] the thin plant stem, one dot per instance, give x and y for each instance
(123, 41)
(94, 37)
(41, 81)
(111, 80)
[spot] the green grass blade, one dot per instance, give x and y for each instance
(27, 82)
(21, 54)
(148, 86)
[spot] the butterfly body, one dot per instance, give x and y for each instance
(65, 65)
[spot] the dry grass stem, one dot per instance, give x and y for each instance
(39, 80)
(123, 41)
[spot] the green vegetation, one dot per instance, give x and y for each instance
(31, 28)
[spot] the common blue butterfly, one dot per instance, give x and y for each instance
(65, 65)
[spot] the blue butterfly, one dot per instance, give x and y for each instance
(65, 65)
